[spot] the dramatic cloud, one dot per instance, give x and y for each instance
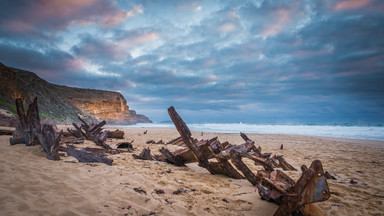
(227, 61)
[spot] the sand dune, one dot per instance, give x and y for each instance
(32, 185)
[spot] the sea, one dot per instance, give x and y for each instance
(369, 132)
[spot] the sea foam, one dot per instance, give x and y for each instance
(354, 132)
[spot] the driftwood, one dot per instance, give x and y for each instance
(85, 156)
(311, 187)
(117, 134)
(151, 142)
(154, 142)
(279, 162)
(32, 131)
(22, 125)
(222, 166)
(6, 132)
(50, 142)
(93, 132)
(185, 155)
(27, 139)
(71, 140)
(73, 133)
(171, 158)
(185, 133)
(144, 155)
(273, 184)
(178, 141)
(28, 126)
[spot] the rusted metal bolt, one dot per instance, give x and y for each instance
(324, 192)
(319, 174)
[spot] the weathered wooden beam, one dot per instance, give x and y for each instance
(311, 187)
(78, 129)
(259, 160)
(144, 155)
(72, 140)
(93, 132)
(33, 118)
(177, 141)
(185, 155)
(74, 133)
(186, 134)
(50, 142)
(22, 125)
(246, 139)
(99, 139)
(97, 127)
(26, 139)
(223, 162)
(170, 157)
(284, 164)
(117, 134)
(29, 123)
(85, 157)
(236, 160)
(83, 122)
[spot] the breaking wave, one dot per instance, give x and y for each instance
(354, 132)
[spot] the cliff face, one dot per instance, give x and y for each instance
(63, 103)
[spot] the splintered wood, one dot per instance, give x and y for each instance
(29, 125)
(273, 184)
(294, 197)
(50, 141)
(30, 132)
(95, 133)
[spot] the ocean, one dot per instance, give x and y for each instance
(342, 131)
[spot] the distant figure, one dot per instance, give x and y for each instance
(282, 146)
(202, 133)
(145, 132)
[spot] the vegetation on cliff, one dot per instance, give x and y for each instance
(63, 103)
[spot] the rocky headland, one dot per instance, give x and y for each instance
(62, 103)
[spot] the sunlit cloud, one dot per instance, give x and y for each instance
(351, 4)
(198, 8)
(227, 27)
(136, 10)
(281, 20)
(95, 70)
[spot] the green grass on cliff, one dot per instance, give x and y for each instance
(4, 104)
(48, 116)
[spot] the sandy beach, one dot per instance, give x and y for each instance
(33, 185)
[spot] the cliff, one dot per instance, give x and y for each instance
(63, 103)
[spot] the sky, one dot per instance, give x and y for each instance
(262, 61)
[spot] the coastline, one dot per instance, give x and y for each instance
(33, 185)
(374, 132)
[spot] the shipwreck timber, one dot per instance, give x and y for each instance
(273, 184)
(218, 158)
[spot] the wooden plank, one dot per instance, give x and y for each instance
(186, 134)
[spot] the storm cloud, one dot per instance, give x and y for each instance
(215, 61)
